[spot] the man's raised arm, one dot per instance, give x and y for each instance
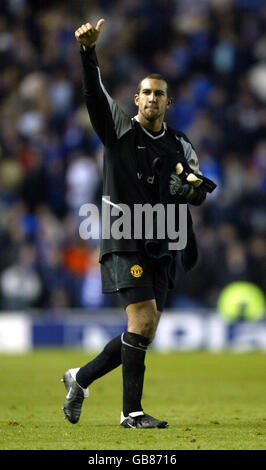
(107, 119)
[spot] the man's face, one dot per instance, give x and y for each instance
(152, 99)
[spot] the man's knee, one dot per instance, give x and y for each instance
(143, 318)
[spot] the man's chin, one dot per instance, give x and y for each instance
(151, 117)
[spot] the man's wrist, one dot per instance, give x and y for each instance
(86, 48)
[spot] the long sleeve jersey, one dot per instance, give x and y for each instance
(129, 153)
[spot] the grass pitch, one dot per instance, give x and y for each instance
(211, 401)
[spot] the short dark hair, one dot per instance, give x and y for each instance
(155, 76)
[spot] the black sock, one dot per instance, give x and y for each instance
(107, 360)
(133, 356)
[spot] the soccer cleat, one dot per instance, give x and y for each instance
(140, 419)
(75, 396)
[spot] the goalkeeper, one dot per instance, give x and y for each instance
(137, 151)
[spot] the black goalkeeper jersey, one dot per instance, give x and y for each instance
(129, 152)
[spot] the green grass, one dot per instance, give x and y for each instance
(211, 401)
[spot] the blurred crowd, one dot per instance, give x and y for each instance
(213, 53)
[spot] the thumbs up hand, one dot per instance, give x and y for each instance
(87, 35)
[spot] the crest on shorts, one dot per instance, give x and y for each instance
(136, 270)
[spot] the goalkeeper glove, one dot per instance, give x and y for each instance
(176, 187)
(195, 179)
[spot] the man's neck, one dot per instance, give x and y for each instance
(152, 126)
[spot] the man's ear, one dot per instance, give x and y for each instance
(136, 99)
(169, 102)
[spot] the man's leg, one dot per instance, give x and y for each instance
(110, 357)
(77, 380)
(143, 319)
(139, 334)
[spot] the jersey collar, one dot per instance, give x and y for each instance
(135, 118)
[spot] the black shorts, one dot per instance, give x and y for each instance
(135, 278)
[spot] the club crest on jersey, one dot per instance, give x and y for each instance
(136, 270)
